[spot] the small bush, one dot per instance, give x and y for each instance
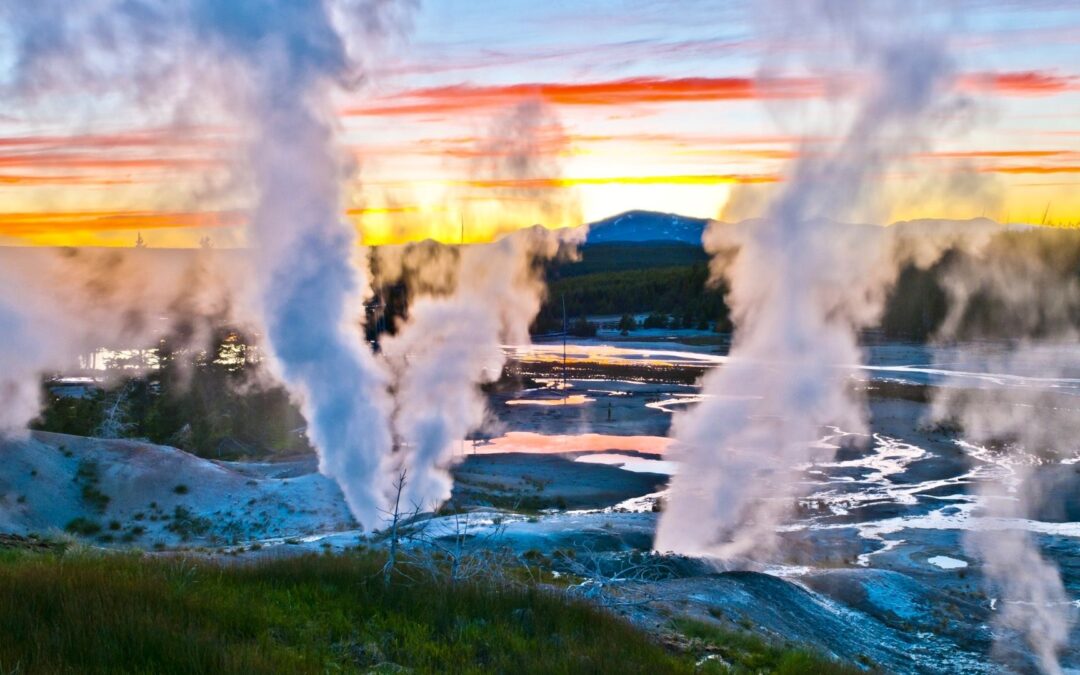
(95, 498)
(83, 526)
(181, 489)
(88, 475)
(187, 524)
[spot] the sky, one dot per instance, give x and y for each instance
(494, 115)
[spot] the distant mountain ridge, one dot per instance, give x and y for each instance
(647, 226)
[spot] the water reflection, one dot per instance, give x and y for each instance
(534, 443)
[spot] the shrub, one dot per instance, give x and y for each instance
(95, 498)
(187, 524)
(83, 526)
(87, 475)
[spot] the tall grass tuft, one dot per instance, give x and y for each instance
(82, 612)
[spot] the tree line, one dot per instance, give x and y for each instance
(210, 402)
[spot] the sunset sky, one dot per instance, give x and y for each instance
(641, 105)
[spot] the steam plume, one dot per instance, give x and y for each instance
(1028, 284)
(470, 302)
(26, 353)
(452, 344)
(800, 288)
(522, 153)
(59, 306)
(294, 58)
(272, 66)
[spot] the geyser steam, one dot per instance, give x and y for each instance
(470, 302)
(270, 67)
(800, 287)
(452, 344)
(309, 290)
(1027, 283)
(57, 306)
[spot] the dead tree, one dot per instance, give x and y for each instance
(606, 581)
(395, 522)
(459, 554)
(113, 425)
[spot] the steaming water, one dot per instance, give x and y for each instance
(907, 489)
(631, 463)
(906, 363)
(624, 354)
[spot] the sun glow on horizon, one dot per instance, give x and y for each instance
(674, 125)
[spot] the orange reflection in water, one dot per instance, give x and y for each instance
(574, 399)
(531, 442)
(603, 354)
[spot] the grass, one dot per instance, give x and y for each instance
(80, 612)
(127, 613)
(746, 653)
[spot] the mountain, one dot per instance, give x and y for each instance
(646, 226)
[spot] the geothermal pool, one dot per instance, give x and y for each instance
(882, 526)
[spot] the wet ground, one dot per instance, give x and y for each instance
(873, 568)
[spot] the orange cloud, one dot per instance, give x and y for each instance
(692, 139)
(38, 179)
(74, 160)
(691, 179)
(1023, 83)
(1000, 154)
(381, 210)
(467, 147)
(463, 97)
(91, 159)
(630, 91)
(1034, 168)
(146, 138)
(29, 223)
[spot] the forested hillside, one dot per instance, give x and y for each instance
(670, 278)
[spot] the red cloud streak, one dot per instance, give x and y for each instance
(467, 97)
(1023, 83)
(461, 97)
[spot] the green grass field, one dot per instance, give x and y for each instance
(85, 612)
